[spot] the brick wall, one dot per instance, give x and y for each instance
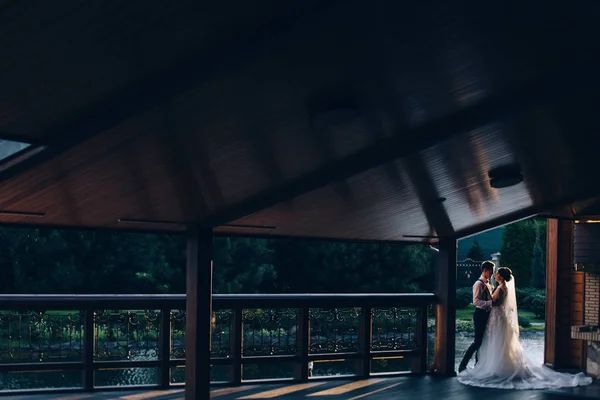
(592, 300)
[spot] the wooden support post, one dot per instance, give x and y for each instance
(419, 363)
(446, 308)
(303, 344)
(558, 345)
(198, 314)
(236, 342)
(164, 340)
(365, 335)
(88, 350)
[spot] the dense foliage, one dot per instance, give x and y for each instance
(464, 297)
(518, 248)
(532, 299)
(538, 264)
(68, 261)
(475, 253)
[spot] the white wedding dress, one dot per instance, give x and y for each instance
(502, 360)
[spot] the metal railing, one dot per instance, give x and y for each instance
(93, 341)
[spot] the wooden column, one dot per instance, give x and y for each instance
(302, 350)
(236, 339)
(446, 309)
(198, 314)
(365, 336)
(88, 350)
(559, 296)
(164, 353)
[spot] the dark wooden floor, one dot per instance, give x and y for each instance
(418, 388)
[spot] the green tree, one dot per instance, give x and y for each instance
(538, 264)
(70, 261)
(475, 253)
(243, 265)
(518, 242)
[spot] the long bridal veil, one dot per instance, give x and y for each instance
(502, 361)
(510, 307)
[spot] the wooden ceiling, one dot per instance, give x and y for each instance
(329, 119)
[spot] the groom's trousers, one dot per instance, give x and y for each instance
(480, 319)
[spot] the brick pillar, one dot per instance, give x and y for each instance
(592, 304)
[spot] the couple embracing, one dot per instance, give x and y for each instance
(500, 360)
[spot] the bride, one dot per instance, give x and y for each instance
(502, 360)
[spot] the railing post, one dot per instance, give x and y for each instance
(365, 334)
(164, 377)
(88, 350)
(236, 341)
(303, 344)
(419, 365)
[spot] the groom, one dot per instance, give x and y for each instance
(482, 299)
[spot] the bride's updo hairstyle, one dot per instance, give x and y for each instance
(505, 273)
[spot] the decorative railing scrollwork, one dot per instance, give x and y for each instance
(394, 329)
(334, 330)
(177, 334)
(221, 334)
(126, 334)
(40, 336)
(269, 332)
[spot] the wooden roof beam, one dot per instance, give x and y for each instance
(411, 140)
(432, 204)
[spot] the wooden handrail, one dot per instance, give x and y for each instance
(177, 301)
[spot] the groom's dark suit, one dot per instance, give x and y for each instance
(482, 299)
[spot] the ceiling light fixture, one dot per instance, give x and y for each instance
(505, 176)
(333, 107)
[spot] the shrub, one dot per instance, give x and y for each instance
(464, 297)
(523, 295)
(530, 299)
(524, 322)
(537, 304)
(465, 326)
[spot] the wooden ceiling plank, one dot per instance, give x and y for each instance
(408, 141)
(137, 98)
(428, 197)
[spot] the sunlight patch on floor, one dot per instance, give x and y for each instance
(228, 391)
(269, 394)
(147, 395)
(375, 391)
(346, 388)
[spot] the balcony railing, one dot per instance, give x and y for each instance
(99, 341)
